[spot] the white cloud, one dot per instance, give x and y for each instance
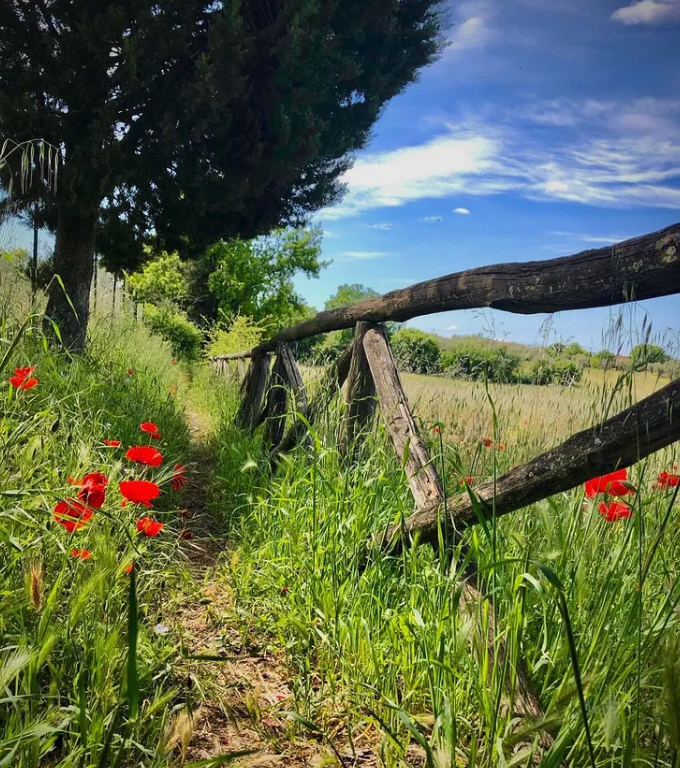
(384, 226)
(609, 162)
(599, 239)
(473, 28)
(648, 12)
(430, 219)
(462, 211)
(451, 328)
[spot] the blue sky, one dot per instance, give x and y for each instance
(547, 127)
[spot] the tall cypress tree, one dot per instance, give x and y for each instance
(194, 120)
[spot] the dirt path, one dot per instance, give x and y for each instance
(245, 695)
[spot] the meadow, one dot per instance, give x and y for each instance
(378, 659)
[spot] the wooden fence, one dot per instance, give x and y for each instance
(645, 267)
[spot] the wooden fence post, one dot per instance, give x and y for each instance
(360, 393)
(421, 474)
(298, 391)
(252, 392)
(285, 372)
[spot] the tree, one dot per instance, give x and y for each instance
(255, 277)
(348, 294)
(643, 354)
(415, 351)
(196, 120)
(161, 280)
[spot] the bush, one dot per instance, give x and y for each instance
(175, 327)
(564, 373)
(415, 351)
(243, 333)
(478, 362)
(644, 354)
(603, 359)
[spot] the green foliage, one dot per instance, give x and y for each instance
(603, 359)
(415, 351)
(161, 280)
(478, 362)
(255, 277)
(243, 333)
(564, 373)
(348, 294)
(644, 354)
(175, 327)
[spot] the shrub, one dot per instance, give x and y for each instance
(603, 359)
(474, 362)
(243, 333)
(564, 373)
(415, 351)
(644, 354)
(175, 327)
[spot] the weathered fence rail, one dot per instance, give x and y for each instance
(644, 267)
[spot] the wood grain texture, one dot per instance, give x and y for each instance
(394, 409)
(277, 398)
(359, 393)
(298, 392)
(641, 268)
(628, 437)
(253, 390)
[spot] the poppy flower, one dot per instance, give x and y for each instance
(145, 454)
(22, 378)
(72, 515)
(186, 534)
(82, 554)
(149, 427)
(667, 480)
(149, 527)
(111, 443)
(155, 435)
(179, 479)
(610, 483)
(466, 481)
(92, 489)
(128, 568)
(614, 511)
(437, 430)
(131, 371)
(487, 442)
(500, 447)
(285, 590)
(139, 492)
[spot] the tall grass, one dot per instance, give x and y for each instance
(72, 631)
(385, 647)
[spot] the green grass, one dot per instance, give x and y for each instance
(387, 647)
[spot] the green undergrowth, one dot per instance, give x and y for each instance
(88, 675)
(380, 642)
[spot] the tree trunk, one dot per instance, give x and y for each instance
(69, 307)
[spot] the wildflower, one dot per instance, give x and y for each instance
(22, 378)
(92, 489)
(614, 511)
(186, 534)
(81, 554)
(72, 514)
(149, 527)
(161, 629)
(150, 428)
(139, 492)
(145, 454)
(500, 447)
(179, 479)
(128, 568)
(487, 442)
(111, 443)
(130, 371)
(285, 590)
(437, 430)
(464, 481)
(610, 483)
(667, 480)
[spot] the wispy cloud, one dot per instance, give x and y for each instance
(430, 219)
(648, 12)
(473, 27)
(362, 255)
(585, 238)
(462, 211)
(385, 226)
(619, 157)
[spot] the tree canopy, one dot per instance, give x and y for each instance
(196, 120)
(348, 294)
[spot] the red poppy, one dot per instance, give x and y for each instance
(614, 511)
(466, 481)
(72, 514)
(667, 480)
(149, 427)
(82, 554)
(179, 479)
(487, 442)
(111, 443)
(437, 430)
(149, 527)
(285, 590)
(128, 568)
(131, 371)
(610, 483)
(22, 378)
(155, 435)
(186, 534)
(92, 489)
(500, 447)
(145, 454)
(139, 492)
